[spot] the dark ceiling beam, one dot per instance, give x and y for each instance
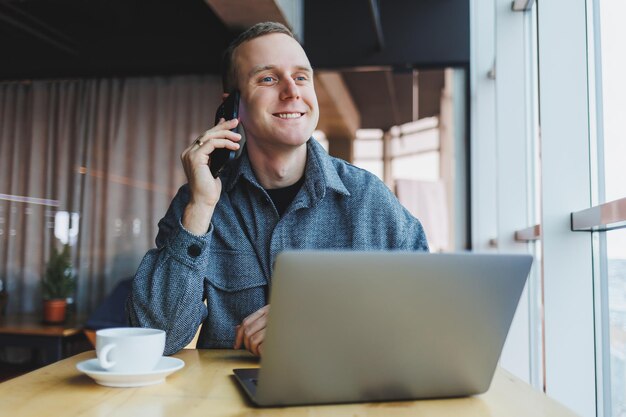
(24, 22)
(378, 26)
(417, 34)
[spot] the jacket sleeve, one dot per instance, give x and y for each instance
(168, 288)
(415, 237)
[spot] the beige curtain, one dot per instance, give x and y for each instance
(427, 201)
(94, 163)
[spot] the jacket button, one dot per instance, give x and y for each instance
(194, 250)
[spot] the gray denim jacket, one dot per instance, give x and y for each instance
(338, 207)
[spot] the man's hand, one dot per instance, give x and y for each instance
(205, 190)
(251, 332)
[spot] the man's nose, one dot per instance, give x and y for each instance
(289, 89)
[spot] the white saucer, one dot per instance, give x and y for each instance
(165, 367)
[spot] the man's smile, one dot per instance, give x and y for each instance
(288, 115)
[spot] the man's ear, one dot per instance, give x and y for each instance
(224, 96)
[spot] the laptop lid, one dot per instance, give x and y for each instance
(371, 326)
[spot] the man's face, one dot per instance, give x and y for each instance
(278, 102)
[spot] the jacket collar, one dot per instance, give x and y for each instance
(319, 174)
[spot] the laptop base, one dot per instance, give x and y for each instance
(248, 378)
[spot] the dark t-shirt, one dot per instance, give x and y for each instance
(282, 197)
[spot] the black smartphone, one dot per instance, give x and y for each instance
(219, 158)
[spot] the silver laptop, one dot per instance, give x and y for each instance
(375, 326)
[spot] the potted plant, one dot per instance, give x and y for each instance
(57, 284)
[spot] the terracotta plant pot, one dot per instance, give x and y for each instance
(54, 311)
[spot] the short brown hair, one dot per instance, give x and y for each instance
(229, 74)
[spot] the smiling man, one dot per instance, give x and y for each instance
(218, 241)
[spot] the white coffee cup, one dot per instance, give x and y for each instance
(129, 349)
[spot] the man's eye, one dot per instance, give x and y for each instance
(267, 79)
(301, 78)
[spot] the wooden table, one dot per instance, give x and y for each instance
(30, 331)
(205, 387)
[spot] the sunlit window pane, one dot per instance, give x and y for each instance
(613, 33)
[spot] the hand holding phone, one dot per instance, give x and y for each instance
(228, 110)
(202, 161)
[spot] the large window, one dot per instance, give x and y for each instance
(574, 321)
